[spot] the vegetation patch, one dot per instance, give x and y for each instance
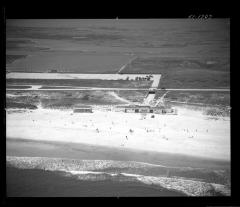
(60, 99)
(133, 96)
(185, 73)
(18, 87)
(17, 105)
(54, 87)
(200, 97)
(216, 112)
(11, 58)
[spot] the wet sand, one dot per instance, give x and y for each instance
(32, 148)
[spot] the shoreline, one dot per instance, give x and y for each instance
(56, 149)
(191, 181)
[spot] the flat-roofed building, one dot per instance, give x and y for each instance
(146, 109)
(83, 109)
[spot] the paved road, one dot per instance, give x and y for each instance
(38, 87)
(19, 75)
(196, 89)
(53, 76)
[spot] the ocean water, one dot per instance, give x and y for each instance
(40, 183)
(118, 177)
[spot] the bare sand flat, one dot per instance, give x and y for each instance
(189, 133)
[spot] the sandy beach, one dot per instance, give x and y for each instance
(188, 133)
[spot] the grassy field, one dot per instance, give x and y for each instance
(23, 44)
(82, 83)
(18, 87)
(213, 103)
(137, 96)
(11, 58)
(59, 99)
(199, 97)
(217, 111)
(185, 73)
(188, 54)
(106, 45)
(202, 97)
(55, 87)
(134, 96)
(142, 33)
(16, 105)
(70, 61)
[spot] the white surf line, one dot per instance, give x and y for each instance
(128, 163)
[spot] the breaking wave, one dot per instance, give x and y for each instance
(190, 181)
